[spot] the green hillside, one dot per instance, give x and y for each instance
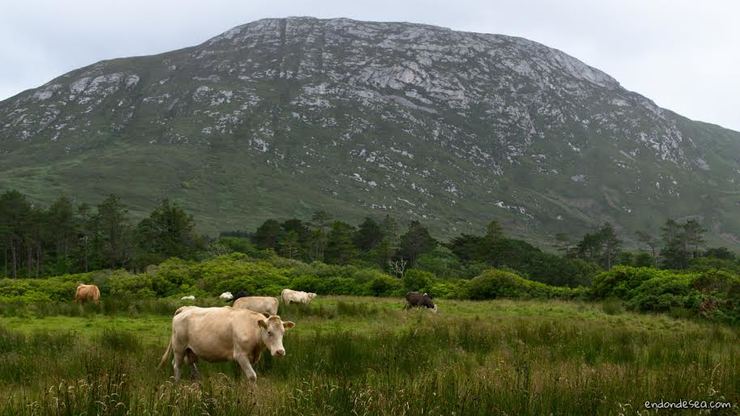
(282, 117)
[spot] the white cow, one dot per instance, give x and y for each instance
(189, 297)
(262, 304)
(296, 296)
(226, 296)
(223, 334)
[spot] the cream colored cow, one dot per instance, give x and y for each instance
(223, 334)
(262, 304)
(296, 296)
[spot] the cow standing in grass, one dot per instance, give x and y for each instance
(296, 296)
(266, 305)
(87, 293)
(223, 334)
(419, 300)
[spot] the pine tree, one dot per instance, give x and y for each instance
(168, 232)
(267, 235)
(339, 247)
(602, 247)
(368, 235)
(415, 242)
(651, 243)
(15, 218)
(317, 239)
(115, 232)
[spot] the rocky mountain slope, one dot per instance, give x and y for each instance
(280, 117)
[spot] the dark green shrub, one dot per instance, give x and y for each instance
(418, 280)
(620, 281)
(308, 284)
(495, 283)
(385, 285)
(442, 263)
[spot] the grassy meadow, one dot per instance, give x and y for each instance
(366, 356)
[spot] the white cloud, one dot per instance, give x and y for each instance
(682, 54)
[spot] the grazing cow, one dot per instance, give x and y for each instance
(227, 296)
(263, 304)
(85, 293)
(296, 296)
(189, 297)
(418, 300)
(223, 334)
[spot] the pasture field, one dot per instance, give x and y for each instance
(366, 356)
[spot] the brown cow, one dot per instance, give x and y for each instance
(87, 293)
(418, 300)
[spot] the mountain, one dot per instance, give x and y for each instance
(282, 117)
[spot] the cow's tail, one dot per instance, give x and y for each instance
(166, 354)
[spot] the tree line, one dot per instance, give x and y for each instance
(67, 237)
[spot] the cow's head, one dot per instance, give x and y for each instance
(272, 330)
(429, 303)
(311, 295)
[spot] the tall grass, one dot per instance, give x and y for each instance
(109, 307)
(416, 364)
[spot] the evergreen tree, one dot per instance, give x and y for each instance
(289, 245)
(267, 235)
(651, 243)
(295, 238)
(62, 229)
(611, 245)
(317, 240)
(168, 232)
(15, 219)
(415, 242)
(115, 232)
(602, 247)
(339, 247)
(386, 250)
(469, 248)
(88, 251)
(368, 235)
(681, 243)
(693, 236)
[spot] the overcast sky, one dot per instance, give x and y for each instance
(685, 55)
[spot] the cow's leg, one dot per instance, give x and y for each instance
(191, 358)
(246, 367)
(177, 361)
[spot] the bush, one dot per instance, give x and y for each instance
(620, 281)
(418, 280)
(454, 289)
(308, 284)
(714, 294)
(495, 283)
(385, 285)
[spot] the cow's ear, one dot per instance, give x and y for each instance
(262, 323)
(288, 324)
